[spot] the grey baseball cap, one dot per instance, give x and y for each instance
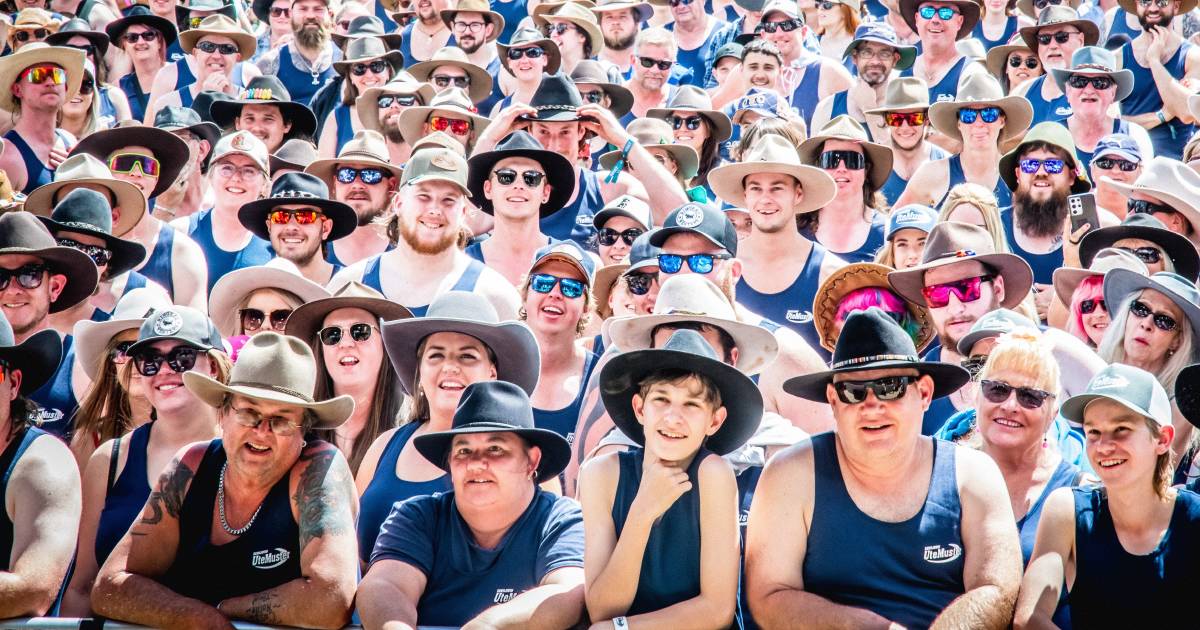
(994, 324)
(1133, 388)
(179, 323)
(436, 164)
(643, 255)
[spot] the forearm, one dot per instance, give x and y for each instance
(699, 613)
(661, 186)
(551, 606)
(23, 597)
(1173, 94)
(800, 609)
(140, 600)
(613, 590)
(381, 605)
(984, 607)
(301, 603)
(1148, 120)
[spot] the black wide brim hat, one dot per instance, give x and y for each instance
(559, 172)
(99, 40)
(253, 215)
(37, 358)
(126, 255)
(223, 113)
(1187, 393)
(117, 27)
(22, 233)
(556, 451)
(171, 152)
(1177, 246)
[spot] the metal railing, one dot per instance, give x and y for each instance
(89, 623)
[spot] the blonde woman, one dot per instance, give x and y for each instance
(974, 204)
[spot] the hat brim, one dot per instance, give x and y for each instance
(12, 65)
(367, 103)
(117, 27)
(720, 122)
(391, 40)
(1018, 277)
(82, 274)
(757, 346)
(620, 99)
(553, 63)
(559, 174)
(968, 8)
(247, 44)
(323, 168)
(253, 216)
(37, 358)
(1177, 246)
(171, 152)
(590, 28)
(306, 320)
(91, 339)
(850, 278)
(1091, 32)
(621, 376)
(412, 120)
(1123, 79)
(125, 254)
(908, 54)
(685, 157)
(1017, 115)
(99, 40)
(205, 129)
(997, 58)
(1067, 280)
(556, 452)
(234, 286)
(947, 378)
(481, 81)
(303, 121)
(606, 278)
(1187, 393)
(330, 414)
(129, 198)
(1072, 409)
(518, 359)
(1119, 283)
(881, 156)
(490, 17)
(819, 188)
(395, 58)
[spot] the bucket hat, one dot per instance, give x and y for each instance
(1133, 388)
(970, 14)
(903, 94)
(85, 169)
(77, 27)
(1067, 279)
(773, 154)
(441, 140)
(692, 98)
(977, 91)
(592, 72)
(37, 357)
(37, 53)
(1169, 181)
(872, 340)
(881, 33)
(579, 15)
(518, 359)
(850, 278)
(1094, 61)
(555, 100)
(218, 24)
(365, 49)
(497, 407)
(475, 6)
(528, 37)
(403, 84)
(1054, 134)
(295, 154)
(298, 189)
(365, 26)
(657, 134)
(1187, 393)
(85, 211)
(232, 288)
(131, 311)
(450, 101)
(1120, 283)
(278, 369)
(997, 57)
(22, 233)
(847, 129)
(1059, 15)
(1177, 247)
(266, 90)
(993, 324)
(952, 242)
(621, 378)
(171, 152)
(141, 14)
(178, 323)
(366, 147)
(519, 144)
(306, 320)
(481, 81)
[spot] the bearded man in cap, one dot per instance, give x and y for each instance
(876, 53)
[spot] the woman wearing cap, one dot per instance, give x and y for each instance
(253, 300)
(1082, 292)
(907, 229)
(460, 341)
(368, 64)
(836, 22)
(1124, 550)
(343, 331)
(144, 37)
(120, 472)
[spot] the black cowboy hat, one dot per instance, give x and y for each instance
(591, 72)
(366, 26)
(1148, 228)
(171, 152)
(37, 357)
(559, 173)
(141, 14)
(871, 340)
(266, 89)
(621, 378)
(298, 188)
(204, 101)
(365, 49)
(497, 407)
(77, 27)
(86, 211)
(556, 100)
(1187, 393)
(22, 233)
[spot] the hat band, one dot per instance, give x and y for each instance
(273, 388)
(295, 194)
(81, 225)
(565, 108)
(873, 358)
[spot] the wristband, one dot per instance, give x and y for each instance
(620, 164)
(1162, 120)
(620, 623)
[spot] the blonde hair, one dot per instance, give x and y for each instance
(1025, 351)
(983, 199)
(656, 36)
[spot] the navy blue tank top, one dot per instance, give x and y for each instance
(1120, 26)
(866, 251)
(671, 563)
(562, 421)
(839, 107)
(466, 282)
(390, 26)
(264, 557)
(1067, 474)
(138, 100)
(914, 569)
(1043, 110)
(1043, 264)
(957, 176)
(512, 12)
(220, 261)
(8, 463)
(940, 409)
(574, 220)
(56, 398)
(947, 89)
(697, 59)
(1085, 157)
(345, 126)
(1168, 139)
(158, 264)
(493, 69)
(386, 489)
(895, 185)
(1010, 28)
(127, 496)
(36, 173)
(183, 75)
(747, 483)
(300, 84)
(107, 112)
(175, 51)
(791, 307)
(1116, 589)
(808, 93)
(406, 42)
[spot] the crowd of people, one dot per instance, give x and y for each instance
(615, 314)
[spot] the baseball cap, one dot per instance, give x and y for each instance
(568, 252)
(762, 102)
(732, 49)
(702, 219)
(994, 324)
(179, 323)
(436, 164)
(643, 255)
(1120, 145)
(625, 206)
(1133, 388)
(913, 216)
(243, 143)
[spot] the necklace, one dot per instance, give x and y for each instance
(221, 508)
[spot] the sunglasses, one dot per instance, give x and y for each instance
(608, 236)
(544, 283)
(1042, 4)
(967, 116)
(558, 29)
(999, 391)
(99, 255)
(388, 100)
(211, 47)
(506, 177)
(826, 5)
(592, 96)
(885, 389)
(41, 74)
(966, 290)
(912, 119)
(378, 66)
(369, 176)
(145, 36)
(87, 86)
(650, 62)
(1060, 37)
(1162, 4)
(280, 12)
(28, 276)
(181, 359)
(1089, 306)
(1080, 81)
(279, 425)
(676, 3)
(302, 217)
(640, 283)
(456, 126)
(1162, 321)
(974, 365)
(691, 122)
(253, 318)
(1052, 166)
(120, 353)
(829, 160)
(332, 335)
(37, 35)
(444, 80)
(533, 52)
(127, 162)
(787, 25)
(698, 263)
(1148, 255)
(1141, 206)
(943, 13)
(1030, 62)
(1110, 163)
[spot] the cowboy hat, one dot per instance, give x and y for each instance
(497, 407)
(366, 49)
(518, 359)
(450, 101)
(171, 152)
(591, 72)
(576, 13)
(641, 10)
(881, 33)
(1120, 283)
(692, 98)
(621, 378)
(442, 140)
(1067, 279)
(366, 26)
(657, 134)
(132, 310)
(1130, 6)
(298, 189)
(773, 154)
(847, 129)
(22, 233)
(294, 155)
(968, 8)
(475, 6)
(1056, 135)
(977, 91)
(560, 175)
(223, 26)
(84, 169)
(278, 369)
(850, 278)
(1059, 15)
(141, 14)
(366, 147)
(952, 242)
(1146, 227)
(872, 340)
(529, 37)
(481, 81)
(1028, 7)
(1169, 181)
(403, 84)
(555, 100)
(306, 320)
(37, 357)
(602, 285)
(903, 94)
(85, 211)
(174, 119)
(265, 90)
(78, 27)
(234, 287)
(37, 53)
(1094, 61)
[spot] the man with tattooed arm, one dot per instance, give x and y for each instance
(257, 525)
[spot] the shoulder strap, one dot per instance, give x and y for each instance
(112, 465)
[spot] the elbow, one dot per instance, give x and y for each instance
(104, 596)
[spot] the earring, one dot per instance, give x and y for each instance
(303, 443)
(522, 314)
(1045, 443)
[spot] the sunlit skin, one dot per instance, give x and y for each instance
(450, 362)
(265, 122)
(267, 301)
(528, 70)
(79, 104)
(560, 137)
(1115, 173)
(741, 222)
(935, 29)
(1054, 54)
(165, 390)
(517, 200)
(430, 214)
(142, 50)
(570, 42)
(967, 213)
(144, 182)
(849, 182)
(875, 62)
(981, 134)
(492, 469)
(138, 386)
(881, 427)
(1145, 344)
(1017, 76)
(1043, 185)
(470, 41)
(691, 137)
(310, 14)
(787, 43)
(618, 251)
(651, 79)
(258, 452)
(1156, 15)
(1138, 243)
(761, 70)
(907, 137)
(237, 190)
(552, 312)
(617, 25)
(644, 304)
(1120, 446)
(26, 309)
(351, 361)
(954, 320)
(723, 68)
(771, 199)
(1090, 102)
(85, 239)
(907, 246)
(676, 419)
(366, 200)
(295, 242)
(688, 243)
(214, 62)
(463, 138)
(1007, 425)
(1175, 221)
(1095, 324)
(453, 72)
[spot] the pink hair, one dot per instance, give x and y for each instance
(866, 297)
(1092, 287)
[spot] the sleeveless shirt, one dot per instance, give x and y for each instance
(1043, 264)
(791, 307)
(8, 463)
(466, 282)
(221, 261)
(125, 500)
(574, 220)
(1168, 139)
(957, 176)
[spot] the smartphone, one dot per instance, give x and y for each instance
(1082, 209)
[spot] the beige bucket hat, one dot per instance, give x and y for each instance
(850, 130)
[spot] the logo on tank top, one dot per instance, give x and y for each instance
(797, 316)
(1062, 110)
(941, 554)
(47, 416)
(945, 98)
(583, 220)
(503, 595)
(267, 559)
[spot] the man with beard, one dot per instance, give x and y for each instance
(1160, 59)
(1058, 34)
(619, 24)
(430, 210)
(653, 58)
(905, 115)
(876, 53)
(476, 27)
(806, 77)
(379, 109)
(427, 34)
(941, 23)
(361, 177)
(305, 63)
(694, 31)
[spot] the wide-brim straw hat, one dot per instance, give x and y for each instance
(657, 134)
(642, 11)
(22, 233)
(132, 310)
(577, 14)
(1094, 61)
(694, 99)
(218, 24)
(366, 147)
(403, 84)
(1059, 15)
(1177, 247)
(475, 6)
(847, 129)
(528, 37)
(306, 321)
(1182, 292)
(169, 149)
(1067, 279)
(903, 94)
(452, 102)
(773, 154)
(1054, 134)
(481, 81)
(850, 278)
(37, 53)
(1170, 181)
(278, 274)
(366, 26)
(85, 169)
(968, 8)
(977, 91)
(606, 278)
(952, 242)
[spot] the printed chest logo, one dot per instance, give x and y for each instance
(583, 220)
(941, 554)
(797, 316)
(268, 559)
(1063, 110)
(503, 595)
(47, 416)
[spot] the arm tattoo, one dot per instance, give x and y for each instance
(262, 609)
(174, 482)
(320, 497)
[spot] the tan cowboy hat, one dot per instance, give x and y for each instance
(275, 368)
(481, 81)
(306, 320)
(475, 6)
(1059, 15)
(968, 8)
(1067, 279)
(451, 101)
(952, 242)
(1054, 134)
(233, 287)
(850, 278)
(367, 49)
(692, 98)
(979, 90)
(1169, 181)
(997, 58)
(528, 38)
(606, 278)
(36, 53)
(657, 134)
(366, 147)
(1026, 7)
(773, 154)
(846, 128)
(81, 169)
(403, 84)
(578, 14)
(218, 24)
(132, 310)
(642, 11)
(903, 94)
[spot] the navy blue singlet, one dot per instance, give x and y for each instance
(1043, 264)
(127, 497)
(1043, 110)
(138, 100)
(1010, 29)
(865, 252)
(56, 397)
(1003, 194)
(791, 307)
(947, 89)
(36, 173)
(8, 463)
(808, 93)
(345, 126)
(300, 84)
(574, 220)
(562, 421)
(220, 261)
(466, 282)
(158, 264)
(1168, 139)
